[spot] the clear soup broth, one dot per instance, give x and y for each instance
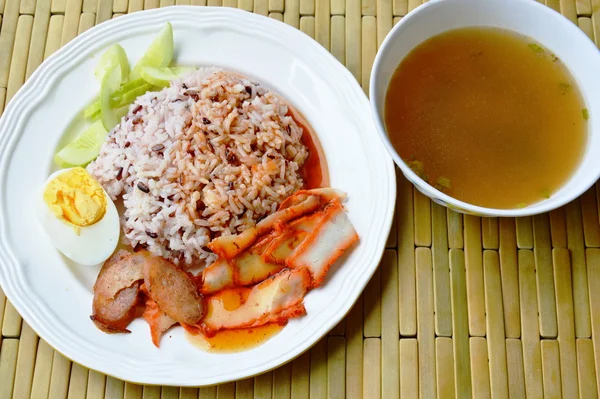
(487, 116)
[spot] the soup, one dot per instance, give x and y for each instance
(487, 116)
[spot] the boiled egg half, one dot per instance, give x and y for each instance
(79, 217)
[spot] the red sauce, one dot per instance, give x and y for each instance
(314, 172)
(236, 340)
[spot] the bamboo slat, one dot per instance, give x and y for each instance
(96, 385)
(353, 38)
(243, 389)
(566, 328)
(444, 363)
(479, 368)
(425, 323)
(71, 23)
(338, 49)
(441, 272)
(318, 370)
(115, 388)
(489, 233)
(291, 14)
(551, 369)
(39, 32)
(369, 49)
(28, 344)
(336, 373)
(460, 324)
(409, 368)
(544, 276)
(41, 372)
(593, 258)
(7, 39)
(354, 351)
(474, 267)
(514, 363)
(510, 277)
(495, 325)
(59, 6)
(263, 383)
(389, 326)
(301, 373)
(8, 360)
(372, 307)
(586, 369)
(580, 287)
(282, 381)
(78, 382)
(422, 213)
(134, 391)
(371, 369)
(524, 232)
(558, 228)
(589, 214)
(455, 229)
(59, 379)
(585, 24)
(406, 259)
(530, 334)
(90, 5)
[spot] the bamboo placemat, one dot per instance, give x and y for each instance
(461, 306)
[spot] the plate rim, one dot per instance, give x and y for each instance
(14, 115)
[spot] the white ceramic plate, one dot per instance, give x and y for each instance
(54, 296)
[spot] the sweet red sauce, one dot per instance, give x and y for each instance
(235, 340)
(314, 172)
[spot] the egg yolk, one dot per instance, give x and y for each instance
(76, 197)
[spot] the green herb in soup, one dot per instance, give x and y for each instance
(492, 112)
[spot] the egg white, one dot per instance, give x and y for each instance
(94, 244)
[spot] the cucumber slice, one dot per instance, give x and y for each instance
(110, 83)
(159, 54)
(130, 96)
(181, 70)
(93, 111)
(84, 148)
(160, 77)
(120, 97)
(115, 55)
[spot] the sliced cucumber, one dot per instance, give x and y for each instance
(84, 148)
(160, 77)
(159, 54)
(130, 96)
(119, 98)
(114, 55)
(110, 82)
(93, 111)
(181, 70)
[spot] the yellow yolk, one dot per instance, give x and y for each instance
(76, 197)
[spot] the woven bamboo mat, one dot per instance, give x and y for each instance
(460, 306)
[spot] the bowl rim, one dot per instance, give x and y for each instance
(426, 188)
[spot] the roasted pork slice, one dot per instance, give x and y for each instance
(158, 321)
(227, 247)
(246, 269)
(283, 244)
(174, 290)
(276, 299)
(326, 193)
(113, 315)
(331, 237)
(116, 291)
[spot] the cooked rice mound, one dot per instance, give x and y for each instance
(212, 154)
